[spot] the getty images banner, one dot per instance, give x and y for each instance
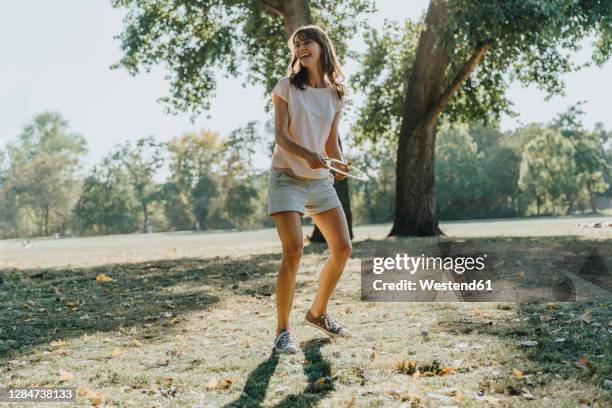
(486, 270)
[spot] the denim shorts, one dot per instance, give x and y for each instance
(288, 192)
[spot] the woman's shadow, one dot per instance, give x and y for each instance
(316, 368)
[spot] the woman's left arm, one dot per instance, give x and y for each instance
(332, 147)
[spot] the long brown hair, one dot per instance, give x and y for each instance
(329, 64)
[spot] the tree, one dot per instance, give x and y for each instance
(197, 40)
(590, 155)
(466, 55)
(107, 203)
(141, 161)
(458, 167)
(42, 174)
(188, 193)
(239, 204)
(548, 169)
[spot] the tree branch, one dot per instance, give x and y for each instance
(266, 5)
(461, 76)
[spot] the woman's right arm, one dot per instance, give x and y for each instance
(281, 133)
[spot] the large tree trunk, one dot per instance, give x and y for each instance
(426, 97)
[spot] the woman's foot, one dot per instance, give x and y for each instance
(284, 344)
(326, 324)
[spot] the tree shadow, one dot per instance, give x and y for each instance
(40, 306)
(569, 341)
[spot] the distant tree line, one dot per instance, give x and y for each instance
(210, 183)
(482, 172)
(200, 181)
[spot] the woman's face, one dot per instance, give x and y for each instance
(308, 52)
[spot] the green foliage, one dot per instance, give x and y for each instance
(107, 204)
(382, 77)
(548, 169)
(40, 177)
(532, 42)
(141, 161)
(239, 204)
(373, 201)
(197, 39)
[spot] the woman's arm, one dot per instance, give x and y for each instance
(281, 134)
(332, 148)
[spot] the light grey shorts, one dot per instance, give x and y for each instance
(288, 192)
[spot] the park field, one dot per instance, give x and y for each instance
(187, 319)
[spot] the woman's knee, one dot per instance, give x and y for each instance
(342, 250)
(292, 251)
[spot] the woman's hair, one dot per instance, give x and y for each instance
(329, 64)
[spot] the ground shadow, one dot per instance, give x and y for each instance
(318, 372)
(559, 340)
(316, 368)
(256, 386)
(45, 305)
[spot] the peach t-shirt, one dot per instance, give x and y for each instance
(311, 114)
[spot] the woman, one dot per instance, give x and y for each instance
(307, 105)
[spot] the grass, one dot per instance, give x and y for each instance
(198, 332)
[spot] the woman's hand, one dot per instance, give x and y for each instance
(343, 167)
(315, 160)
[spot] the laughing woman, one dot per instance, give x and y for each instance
(307, 105)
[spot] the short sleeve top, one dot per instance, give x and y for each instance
(311, 114)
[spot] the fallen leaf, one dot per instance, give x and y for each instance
(58, 344)
(175, 320)
(215, 384)
(320, 381)
(551, 306)
(583, 362)
(137, 343)
(101, 277)
(225, 383)
(480, 313)
(587, 316)
(95, 398)
(446, 371)
(82, 391)
(517, 373)
(520, 274)
(459, 396)
(65, 375)
(117, 351)
(405, 366)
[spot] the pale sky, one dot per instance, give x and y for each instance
(57, 55)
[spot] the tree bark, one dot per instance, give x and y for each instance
(426, 98)
(296, 14)
(146, 227)
(342, 189)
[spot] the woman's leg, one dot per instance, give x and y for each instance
(289, 230)
(333, 225)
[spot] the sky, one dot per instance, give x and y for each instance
(58, 53)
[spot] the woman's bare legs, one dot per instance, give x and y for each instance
(333, 225)
(289, 230)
